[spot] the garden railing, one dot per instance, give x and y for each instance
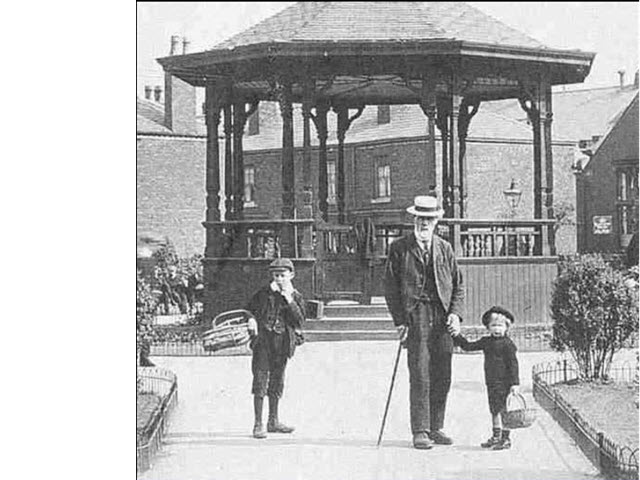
(615, 461)
(163, 383)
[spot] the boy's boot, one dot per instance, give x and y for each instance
(493, 440)
(258, 428)
(505, 442)
(274, 425)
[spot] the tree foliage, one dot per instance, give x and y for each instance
(594, 311)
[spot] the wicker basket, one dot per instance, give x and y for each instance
(229, 329)
(519, 416)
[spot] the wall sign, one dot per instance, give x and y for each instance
(602, 224)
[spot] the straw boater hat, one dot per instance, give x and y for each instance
(425, 206)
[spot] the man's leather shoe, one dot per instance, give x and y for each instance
(277, 427)
(421, 441)
(258, 431)
(440, 438)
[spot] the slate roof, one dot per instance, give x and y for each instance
(578, 115)
(380, 21)
(150, 117)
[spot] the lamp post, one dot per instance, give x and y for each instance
(512, 195)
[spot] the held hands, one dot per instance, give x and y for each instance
(453, 324)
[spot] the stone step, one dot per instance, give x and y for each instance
(354, 311)
(352, 323)
(348, 335)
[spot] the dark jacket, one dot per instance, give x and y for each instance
(500, 361)
(293, 314)
(404, 277)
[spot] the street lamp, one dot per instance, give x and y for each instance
(512, 195)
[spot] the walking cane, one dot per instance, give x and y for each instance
(393, 379)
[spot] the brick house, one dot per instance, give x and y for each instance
(384, 149)
(171, 148)
(607, 187)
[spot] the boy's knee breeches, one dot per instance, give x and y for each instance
(268, 365)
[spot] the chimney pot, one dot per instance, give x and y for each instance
(147, 92)
(185, 45)
(175, 40)
(621, 74)
(636, 81)
(158, 93)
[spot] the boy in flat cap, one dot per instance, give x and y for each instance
(278, 311)
(500, 369)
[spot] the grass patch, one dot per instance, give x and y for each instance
(609, 407)
(147, 405)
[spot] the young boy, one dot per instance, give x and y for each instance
(279, 312)
(500, 369)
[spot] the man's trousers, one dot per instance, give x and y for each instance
(429, 352)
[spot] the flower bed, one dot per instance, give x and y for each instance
(588, 411)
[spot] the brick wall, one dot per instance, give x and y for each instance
(491, 166)
(170, 198)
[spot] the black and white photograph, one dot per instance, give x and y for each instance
(387, 240)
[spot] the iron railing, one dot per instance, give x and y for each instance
(163, 383)
(614, 460)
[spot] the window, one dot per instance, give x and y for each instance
(331, 182)
(627, 201)
(249, 186)
(383, 180)
(384, 114)
(253, 127)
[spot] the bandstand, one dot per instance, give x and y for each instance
(337, 58)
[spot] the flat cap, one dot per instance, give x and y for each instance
(281, 264)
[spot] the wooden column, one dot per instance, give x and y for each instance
(228, 161)
(468, 109)
(344, 122)
(528, 102)
(307, 189)
(443, 109)
(428, 105)
(546, 151)
(284, 97)
(320, 122)
(212, 180)
(457, 209)
(240, 115)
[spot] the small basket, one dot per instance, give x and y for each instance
(519, 417)
(229, 329)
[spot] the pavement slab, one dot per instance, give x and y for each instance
(335, 395)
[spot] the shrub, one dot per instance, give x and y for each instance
(145, 305)
(594, 312)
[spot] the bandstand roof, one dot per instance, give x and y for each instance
(379, 52)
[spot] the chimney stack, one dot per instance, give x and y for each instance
(175, 40)
(636, 80)
(147, 92)
(621, 74)
(185, 45)
(158, 94)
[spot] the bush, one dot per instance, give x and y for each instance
(145, 306)
(177, 282)
(594, 311)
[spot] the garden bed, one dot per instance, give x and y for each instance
(147, 407)
(610, 407)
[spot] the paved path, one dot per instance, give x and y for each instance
(335, 395)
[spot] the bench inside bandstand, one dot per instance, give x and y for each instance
(503, 262)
